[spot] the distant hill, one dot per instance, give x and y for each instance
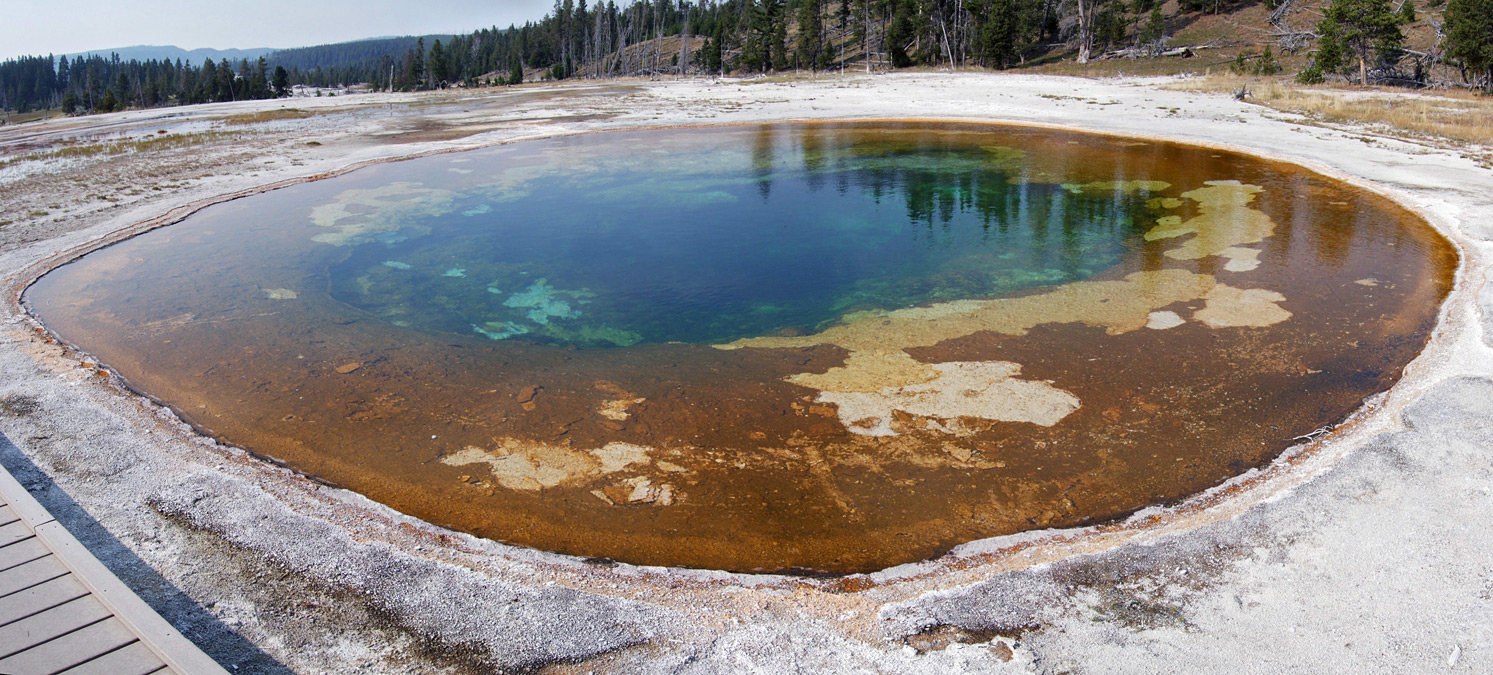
(348, 62)
(170, 53)
(344, 54)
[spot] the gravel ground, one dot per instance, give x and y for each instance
(1362, 552)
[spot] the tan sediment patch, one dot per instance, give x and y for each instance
(985, 390)
(644, 491)
(522, 465)
(280, 294)
(1164, 203)
(1225, 223)
(1118, 306)
(1163, 320)
(1241, 259)
(1111, 186)
(879, 376)
(615, 457)
(616, 409)
(360, 216)
(869, 371)
(1229, 307)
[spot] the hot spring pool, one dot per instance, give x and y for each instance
(829, 347)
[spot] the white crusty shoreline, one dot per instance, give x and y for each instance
(1365, 552)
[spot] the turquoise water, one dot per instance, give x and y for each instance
(713, 235)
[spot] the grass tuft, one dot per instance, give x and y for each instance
(267, 116)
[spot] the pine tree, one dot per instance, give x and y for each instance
(1155, 27)
(417, 65)
(439, 71)
(777, 41)
(899, 34)
(810, 33)
(281, 82)
(715, 51)
(1365, 28)
(221, 82)
(998, 35)
(1330, 56)
(1267, 65)
(259, 81)
(1469, 37)
(756, 53)
(122, 85)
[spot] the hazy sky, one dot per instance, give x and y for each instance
(32, 27)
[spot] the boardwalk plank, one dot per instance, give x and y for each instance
(14, 532)
(30, 574)
(31, 631)
(62, 610)
(23, 551)
(40, 598)
(79, 646)
(134, 659)
(8, 515)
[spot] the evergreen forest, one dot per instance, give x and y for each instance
(1355, 39)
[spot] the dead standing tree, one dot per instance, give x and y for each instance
(1085, 30)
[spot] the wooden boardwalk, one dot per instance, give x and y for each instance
(62, 611)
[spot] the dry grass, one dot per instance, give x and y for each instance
(1457, 116)
(22, 118)
(124, 147)
(267, 116)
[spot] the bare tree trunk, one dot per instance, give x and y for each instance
(1085, 33)
(944, 26)
(961, 31)
(684, 48)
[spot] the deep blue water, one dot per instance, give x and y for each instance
(707, 241)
